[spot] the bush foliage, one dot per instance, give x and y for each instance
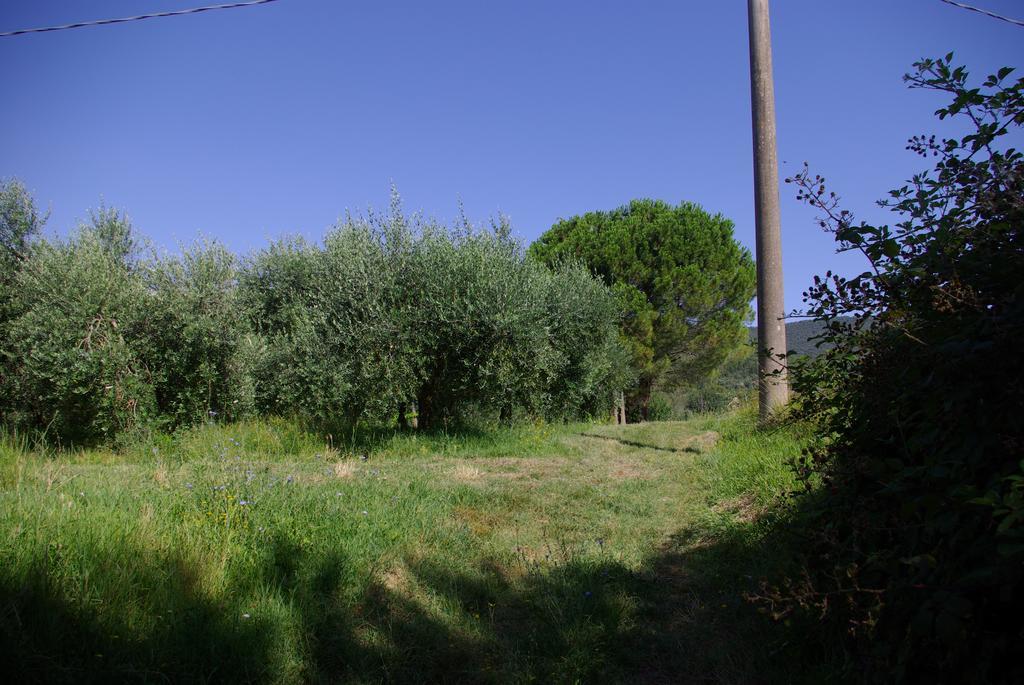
(390, 316)
(915, 539)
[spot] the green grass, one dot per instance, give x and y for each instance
(259, 552)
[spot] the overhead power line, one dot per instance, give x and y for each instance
(101, 22)
(1018, 22)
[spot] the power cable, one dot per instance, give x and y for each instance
(1017, 22)
(102, 22)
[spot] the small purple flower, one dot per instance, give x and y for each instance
(243, 502)
(188, 486)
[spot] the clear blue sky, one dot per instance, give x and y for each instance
(246, 125)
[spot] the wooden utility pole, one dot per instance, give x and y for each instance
(773, 387)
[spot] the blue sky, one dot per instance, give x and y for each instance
(246, 125)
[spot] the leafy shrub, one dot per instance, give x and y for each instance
(20, 222)
(393, 313)
(660, 408)
(587, 363)
(915, 540)
(193, 337)
(388, 315)
(73, 371)
(297, 370)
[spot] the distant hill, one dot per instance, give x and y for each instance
(798, 337)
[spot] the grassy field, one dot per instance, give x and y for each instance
(256, 552)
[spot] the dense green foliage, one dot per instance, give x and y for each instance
(388, 316)
(194, 337)
(914, 542)
(19, 224)
(391, 314)
(683, 283)
(71, 367)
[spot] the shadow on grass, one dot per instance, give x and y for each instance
(49, 637)
(679, 619)
(642, 445)
(368, 438)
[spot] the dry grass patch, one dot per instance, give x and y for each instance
(344, 469)
(703, 442)
(398, 579)
(479, 522)
(480, 469)
(466, 473)
(623, 469)
(743, 508)
(160, 475)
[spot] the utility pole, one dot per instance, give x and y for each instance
(773, 387)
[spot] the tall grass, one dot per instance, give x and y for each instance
(258, 551)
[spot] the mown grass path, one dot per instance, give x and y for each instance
(252, 552)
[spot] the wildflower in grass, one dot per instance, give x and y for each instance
(588, 594)
(365, 513)
(244, 616)
(188, 486)
(290, 479)
(243, 502)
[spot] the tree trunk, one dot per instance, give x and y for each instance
(644, 398)
(403, 420)
(425, 410)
